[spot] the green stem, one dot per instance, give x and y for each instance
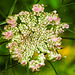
(1, 12)
(28, 69)
(6, 66)
(5, 55)
(4, 42)
(68, 38)
(63, 5)
(10, 67)
(53, 67)
(68, 4)
(70, 31)
(62, 2)
(57, 51)
(37, 1)
(4, 22)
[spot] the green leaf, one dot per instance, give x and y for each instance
(4, 22)
(12, 8)
(53, 67)
(2, 14)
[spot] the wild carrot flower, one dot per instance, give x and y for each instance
(34, 33)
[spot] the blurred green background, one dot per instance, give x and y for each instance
(66, 11)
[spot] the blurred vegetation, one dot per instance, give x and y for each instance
(66, 11)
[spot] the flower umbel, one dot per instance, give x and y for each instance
(34, 33)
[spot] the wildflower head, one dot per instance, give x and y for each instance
(33, 34)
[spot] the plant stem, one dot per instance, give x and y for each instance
(28, 69)
(10, 67)
(5, 55)
(1, 12)
(68, 4)
(70, 31)
(4, 22)
(68, 38)
(62, 2)
(6, 66)
(53, 67)
(57, 51)
(37, 1)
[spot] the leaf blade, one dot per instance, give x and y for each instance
(12, 8)
(25, 3)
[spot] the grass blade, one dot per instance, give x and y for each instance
(2, 14)
(4, 22)
(27, 6)
(12, 8)
(53, 67)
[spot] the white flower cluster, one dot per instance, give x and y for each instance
(34, 36)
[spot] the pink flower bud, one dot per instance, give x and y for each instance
(38, 65)
(37, 8)
(23, 63)
(66, 26)
(50, 19)
(53, 38)
(9, 21)
(58, 56)
(8, 35)
(54, 17)
(13, 25)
